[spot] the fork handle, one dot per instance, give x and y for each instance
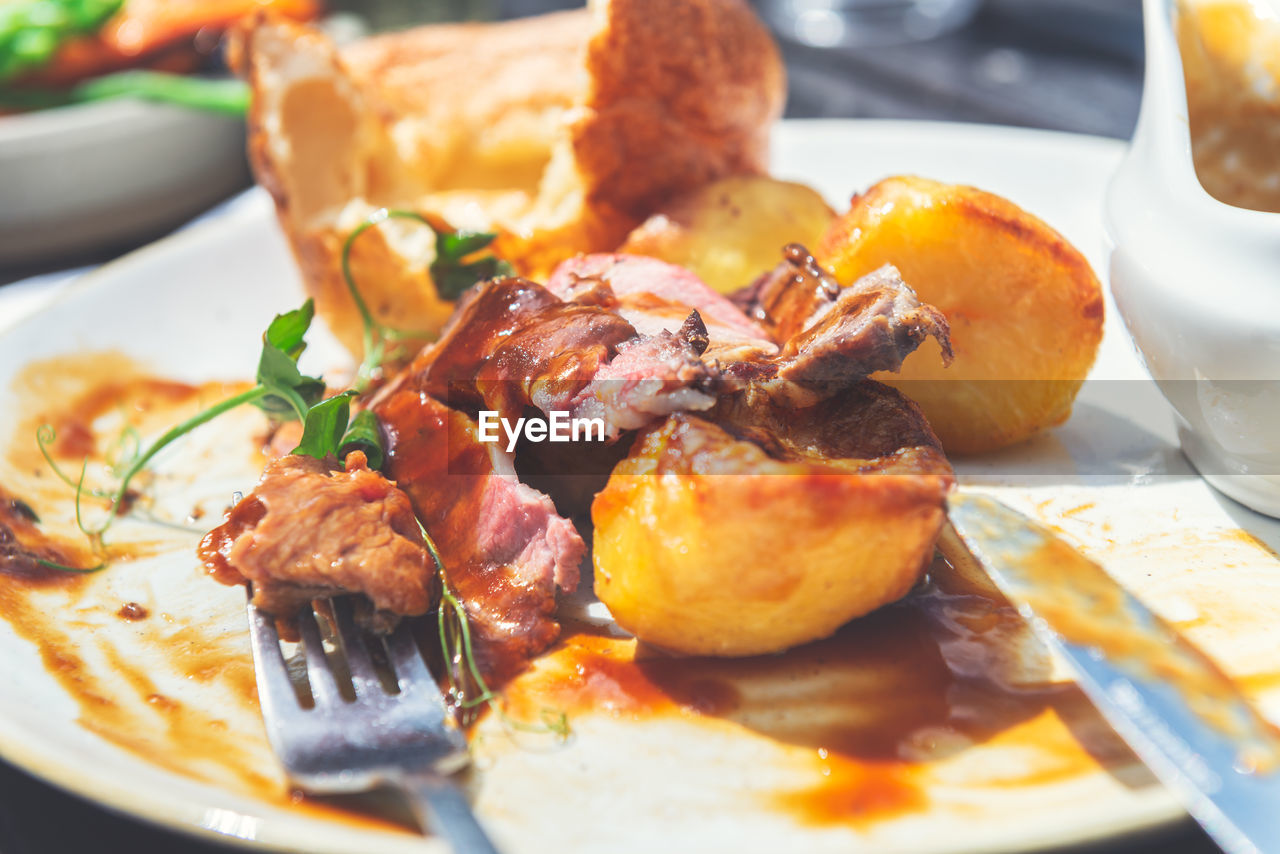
(440, 806)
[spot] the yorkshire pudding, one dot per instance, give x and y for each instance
(560, 132)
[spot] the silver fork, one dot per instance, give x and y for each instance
(404, 739)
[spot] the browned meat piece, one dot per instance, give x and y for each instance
(505, 549)
(834, 336)
(868, 427)
(514, 344)
(784, 299)
(311, 529)
(872, 326)
(801, 303)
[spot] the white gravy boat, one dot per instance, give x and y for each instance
(1198, 285)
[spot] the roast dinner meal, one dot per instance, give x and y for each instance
(613, 163)
(566, 223)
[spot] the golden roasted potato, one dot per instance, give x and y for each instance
(731, 231)
(706, 544)
(560, 132)
(1024, 306)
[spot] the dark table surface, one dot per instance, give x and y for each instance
(1072, 65)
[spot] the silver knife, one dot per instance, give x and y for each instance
(1179, 712)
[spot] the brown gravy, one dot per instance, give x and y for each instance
(870, 711)
(87, 635)
(1088, 608)
(1231, 62)
(874, 706)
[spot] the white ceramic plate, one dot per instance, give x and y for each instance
(191, 307)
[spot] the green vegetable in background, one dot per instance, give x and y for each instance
(226, 96)
(31, 31)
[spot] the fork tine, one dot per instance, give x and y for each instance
(275, 691)
(324, 688)
(364, 678)
(410, 669)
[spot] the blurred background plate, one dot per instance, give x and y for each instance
(83, 178)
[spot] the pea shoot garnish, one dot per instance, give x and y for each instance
(282, 391)
(453, 273)
(456, 267)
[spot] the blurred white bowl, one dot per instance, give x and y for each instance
(85, 177)
(1198, 284)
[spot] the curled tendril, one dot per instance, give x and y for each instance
(45, 437)
(95, 542)
(377, 334)
(126, 448)
(456, 644)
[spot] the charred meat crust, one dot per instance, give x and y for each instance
(516, 344)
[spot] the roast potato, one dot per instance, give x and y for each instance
(708, 544)
(730, 231)
(561, 133)
(1024, 306)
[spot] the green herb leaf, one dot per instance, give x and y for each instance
(452, 281)
(282, 391)
(453, 247)
(291, 393)
(451, 274)
(376, 334)
(325, 425)
(364, 434)
(287, 330)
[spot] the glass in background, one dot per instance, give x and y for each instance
(380, 15)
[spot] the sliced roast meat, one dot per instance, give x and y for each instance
(312, 528)
(830, 336)
(505, 549)
(635, 280)
(867, 428)
(515, 344)
(650, 377)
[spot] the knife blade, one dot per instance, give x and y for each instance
(1183, 717)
